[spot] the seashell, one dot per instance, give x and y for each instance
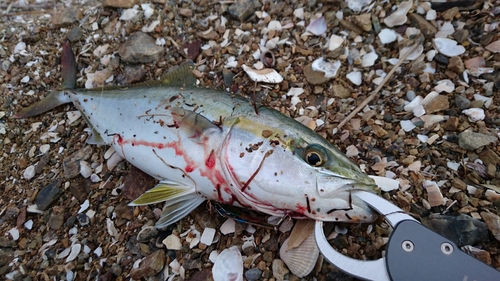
(317, 26)
(330, 69)
(335, 42)
(399, 16)
(229, 226)
(14, 232)
(172, 242)
(267, 58)
(494, 47)
(207, 237)
(266, 75)
(475, 114)
(302, 259)
(448, 47)
(386, 184)
(434, 194)
(75, 250)
(387, 36)
(354, 77)
(229, 265)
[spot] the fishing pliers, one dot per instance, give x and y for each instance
(413, 252)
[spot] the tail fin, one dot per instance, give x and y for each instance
(68, 65)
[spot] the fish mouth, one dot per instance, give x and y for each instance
(329, 183)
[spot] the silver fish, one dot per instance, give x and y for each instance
(204, 144)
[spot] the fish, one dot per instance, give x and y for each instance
(206, 144)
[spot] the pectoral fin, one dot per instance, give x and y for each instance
(192, 123)
(53, 100)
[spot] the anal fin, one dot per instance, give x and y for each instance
(179, 201)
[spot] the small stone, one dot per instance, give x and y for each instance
(253, 274)
(314, 77)
(71, 164)
(119, 3)
(450, 14)
(472, 141)
(209, 34)
(460, 35)
(150, 266)
(493, 222)
(67, 17)
(75, 34)
(482, 255)
(489, 157)
(187, 13)
(475, 62)
(147, 234)
(83, 219)
(124, 211)
(456, 65)
(441, 59)
(241, 10)
(351, 27)
(80, 189)
(48, 195)
(462, 102)
(462, 230)
(451, 124)
(279, 269)
(56, 221)
(140, 48)
(437, 104)
(136, 183)
(364, 21)
(131, 75)
(427, 29)
(340, 91)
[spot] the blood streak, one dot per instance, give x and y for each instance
(210, 162)
(301, 209)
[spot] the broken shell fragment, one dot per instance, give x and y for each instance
(266, 75)
(474, 114)
(448, 47)
(317, 26)
(302, 259)
(399, 16)
(335, 42)
(387, 36)
(267, 58)
(329, 68)
(228, 266)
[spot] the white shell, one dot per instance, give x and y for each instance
(387, 36)
(354, 77)
(75, 250)
(228, 266)
(335, 42)
(386, 184)
(229, 226)
(475, 114)
(208, 236)
(448, 47)
(302, 259)
(330, 69)
(266, 75)
(172, 242)
(317, 26)
(399, 16)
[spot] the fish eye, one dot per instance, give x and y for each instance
(315, 156)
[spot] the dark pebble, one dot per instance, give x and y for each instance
(253, 274)
(70, 221)
(83, 219)
(48, 195)
(462, 102)
(441, 59)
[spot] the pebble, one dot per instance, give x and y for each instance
(253, 274)
(241, 10)
(340, 91)
(56, 221)
(67, 17)
(364, 21)
(150, 266)
(48, 195)
(451, 124)
(450, 14)
(71, 164)
(124, 211)
(462, 230)
(279, 269)
(439, 103)
(462, 102)
(472, 141)
(314, 77)
(119, 3)
(140, 48)
(427, 29)
(460, 35)
(442, 59)
(410, 95)
(456, 65)
(75, 34)
(493, 222)
(147, 234)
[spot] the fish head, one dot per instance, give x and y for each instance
(281, 167)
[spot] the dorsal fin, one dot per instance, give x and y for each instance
(178, 76)
(181, 76)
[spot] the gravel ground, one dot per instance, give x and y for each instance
(433, 127)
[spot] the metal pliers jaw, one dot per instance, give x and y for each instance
(369, 270)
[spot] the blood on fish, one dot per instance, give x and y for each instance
(210, 162)
(301, 209)
(189, 169)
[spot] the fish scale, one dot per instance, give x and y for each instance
(204, 144)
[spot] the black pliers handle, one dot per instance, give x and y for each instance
(413, 252)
